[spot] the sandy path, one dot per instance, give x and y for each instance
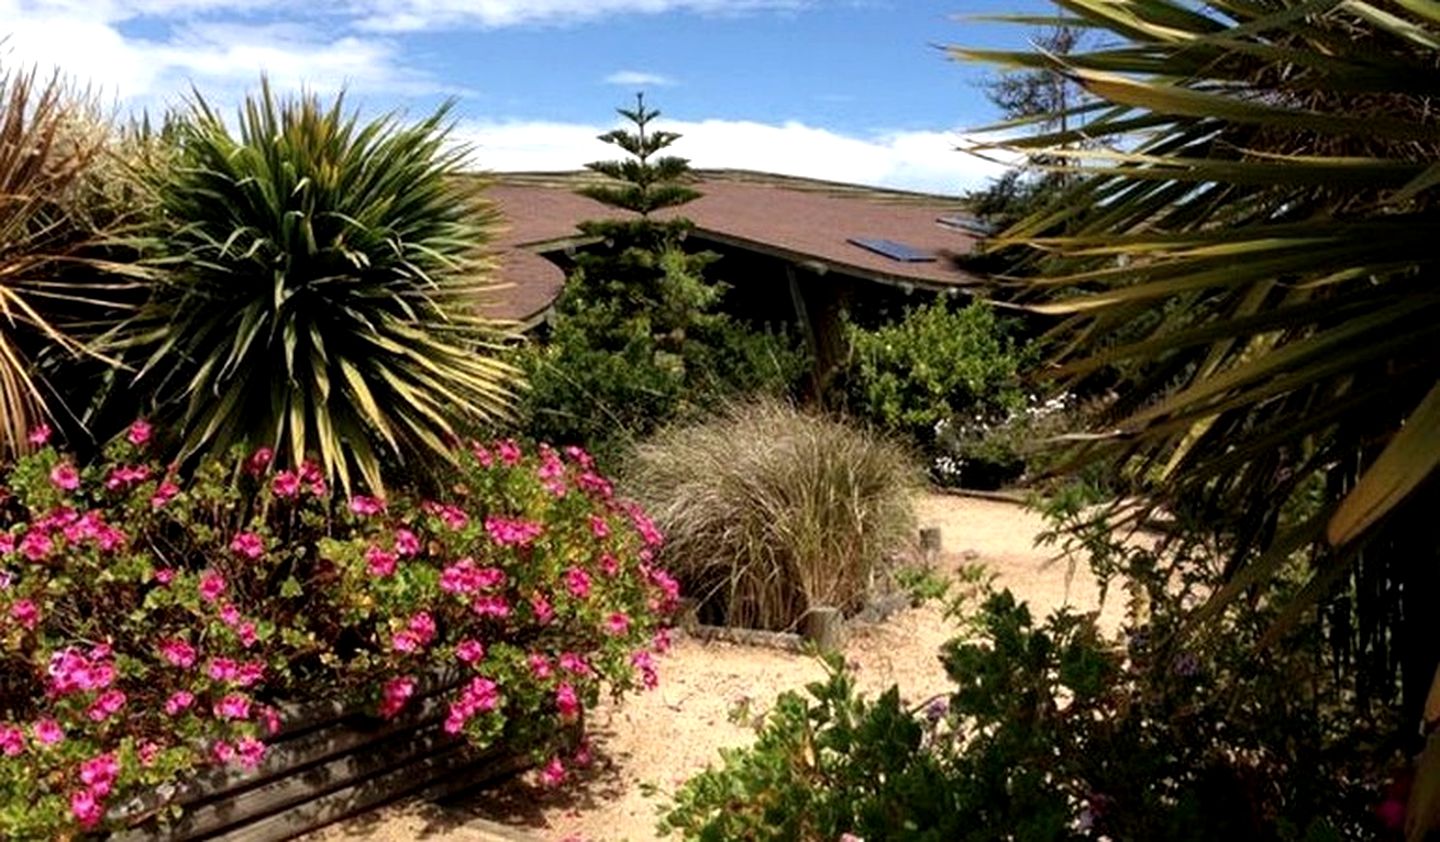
(660, 738)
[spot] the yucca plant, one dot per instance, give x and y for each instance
(58, 223)
(1251, 243)
(769, 511)
(325, 284)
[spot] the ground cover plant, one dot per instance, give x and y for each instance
(771, 511)
(151, 625)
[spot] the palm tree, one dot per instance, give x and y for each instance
(324, 288)
(1252, 244)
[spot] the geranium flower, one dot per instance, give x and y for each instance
(567, 702)
(212, 585)
(509, 452)
(539, 666)
(395, 694)
(106, 705)
(99, 773)
(366, 506)
(164, 493)
(379, 562)
(490, 606)
(553, 774)
(544, 611)
(578, 582)
(12, 741)
(259, 461)
(47, 732)
(40, 435)
(618, 623)
(26, 613)
(64, 477)
(139, 433)
(249, 752)
(469, 651)
(512, 532)
(233, 706)
(178, 653)
(575, 664)
(406, 544)
(285, 484)
(599, 527)
(86, 807)
(179, 700)
(248, 544)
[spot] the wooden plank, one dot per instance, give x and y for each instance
(363, 795)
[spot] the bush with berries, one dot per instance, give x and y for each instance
(153, 626)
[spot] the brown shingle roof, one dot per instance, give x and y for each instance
(803, 225)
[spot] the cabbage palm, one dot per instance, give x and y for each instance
(1252, 241)
(324, 289)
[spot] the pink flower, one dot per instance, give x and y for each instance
(598, 527)
(26, 613)
(539, 666)
(405, 641)
(212, 585)
(464, 578)
(661, 641)
(567, 701)
(379, 562)
(36, 545)
(578, 582)
(617, 623)
(99, 773)
(139, 432)
(164, 575)
(453, 517)
(246, 633)
(509, 452)
(271, 717)
(147, 752)
(179, 700)
(423, 625)
(609, 565)
(480, 695)
(248, 673)
(645, 526)
(596, 485)
(259, 461)
(7, 543)
(164, 494)
(40, 435)
(248, 544)
(580, 457)
(86, 807)
(544, 611)
(249, 752)
(481, 455)
(515, 532)
(47, 732)
(230, 615)
(366, 506)
(222, 751)
(667, 585)
(178, 653)
(125, 475)
(395, 694)
(223, 669)
(553, 774)
(65, 477)
(107, 704)
(582, 757)
(12, 740)
(490, 606)
(469, 651)
(406, 544)
(285, 484)
(233, 706)
(645, 664)
(574, 664)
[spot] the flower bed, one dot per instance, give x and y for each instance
(152, 630)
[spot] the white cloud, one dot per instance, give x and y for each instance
(926, 161)
(638, 78)
(406, 15)
(85, 41)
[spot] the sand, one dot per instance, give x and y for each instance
(654, 741)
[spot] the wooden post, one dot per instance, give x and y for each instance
(825, 626)
(930, 543)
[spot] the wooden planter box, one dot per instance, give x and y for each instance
(327, 763)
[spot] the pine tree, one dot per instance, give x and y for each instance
(644, 185)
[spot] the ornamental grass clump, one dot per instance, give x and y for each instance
(151, 627)
(770, 511)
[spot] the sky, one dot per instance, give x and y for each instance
(849, 90)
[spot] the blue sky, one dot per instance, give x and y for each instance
(853, 90)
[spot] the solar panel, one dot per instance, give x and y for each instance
(968, 224)
(893, 250)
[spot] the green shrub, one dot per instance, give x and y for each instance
(323, 288)
(1056, 731)
(148, 629)
(770, 511)
(939, 365)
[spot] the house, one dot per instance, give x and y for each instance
(793, 251)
